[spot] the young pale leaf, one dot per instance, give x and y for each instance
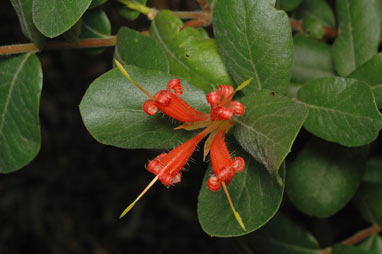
(370, 72)
(54, 17)
(341, 110)
(324, 177)
(289, 5)
(133, 48)
(372, 244)
(189, 54)
(23, 9)
(311, 60)
(268, 127)
(20, 89)
(112, 110)
(282, 235)
(368, 201)
(360, 29)
(255, 195)
(348, 249)
(255, 41)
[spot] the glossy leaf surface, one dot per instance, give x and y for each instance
(360, 29)
(255, 41)
(20, 89)
(255, 194)
(324, 177)
(268, 127)
(341, 110)
(112, 110)
(54, 17)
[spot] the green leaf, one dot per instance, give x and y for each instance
(348, 249)
(373, 171)
(255, 195)
(23, 9)
(341, 110)
(313, 28)
(95, 24)
(73, 34)
(20, 89)
(269, 127)
(368, 200)
(372, 244)
(54, 17)
(255, 41)
(289, 5)
(324, 177)
(129, 13)
(370, 72)
(189, 54)
(136, 49)
(312, 59)
(318, 10)
(112, 110)
(96, 3)
(282, 235)
(359, 32)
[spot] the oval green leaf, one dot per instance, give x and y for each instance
(269, 127)
(360, 29)
(282, 235)
(255, 195)
(20, 89)
(289, 5)
(96, 3)
(318, 10)
(348, 249)
(24, 13)
(368, 201)
(95, 24)
(312, 59)
(370, 72)
(189, 54)
(341, 110)
(373, 172)
(112, 110)
(255, 41)
(54, 17)
(324, 177)
(372, 244)
(133, 48)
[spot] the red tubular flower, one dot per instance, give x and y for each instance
(167, 166)
(222, 164)
(172, 105)
(222, 106)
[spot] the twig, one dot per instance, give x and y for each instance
(297, 25)
(362, 235)
(55, 45)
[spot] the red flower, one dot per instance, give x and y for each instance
(172, 105)
(223, 165)
(167, 166)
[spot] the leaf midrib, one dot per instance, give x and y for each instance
(13, 82)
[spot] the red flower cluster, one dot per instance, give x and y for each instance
(168, 166)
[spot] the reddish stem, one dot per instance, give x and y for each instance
(362, 235)
(52, 45)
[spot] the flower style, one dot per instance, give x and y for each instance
(167, 166)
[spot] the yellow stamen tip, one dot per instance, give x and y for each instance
(243, 85)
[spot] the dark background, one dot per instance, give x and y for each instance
(69, 198)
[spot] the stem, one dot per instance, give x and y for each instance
(58, 45)
(362, 235)
(190, 14)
